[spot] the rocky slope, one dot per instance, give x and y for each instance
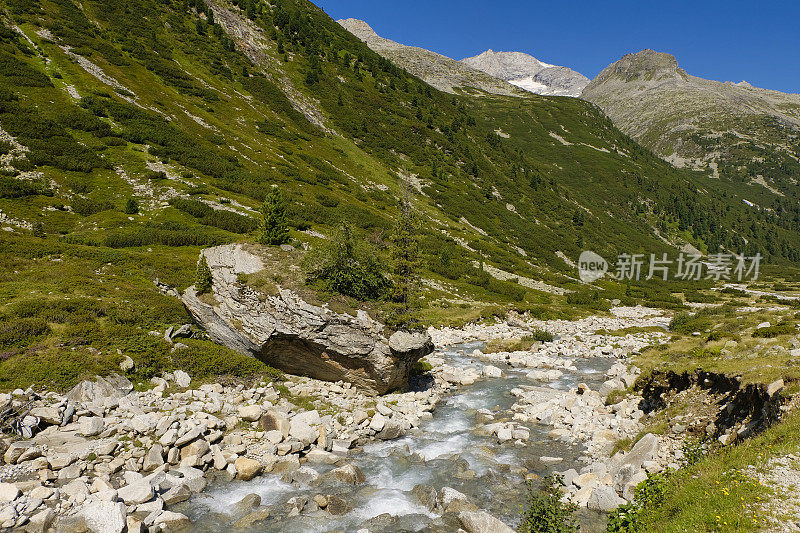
(529, 73)
(437, 70)
(730, 130)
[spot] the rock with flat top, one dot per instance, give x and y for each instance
(604, 498)
(9, 492)
(113, 386)
(288, 333)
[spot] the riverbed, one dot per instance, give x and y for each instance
(446, 451)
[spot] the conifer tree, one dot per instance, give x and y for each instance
(131, 206)
(274, 229)
(203, 278)
(405, 265)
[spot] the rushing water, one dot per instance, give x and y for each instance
(445, 452)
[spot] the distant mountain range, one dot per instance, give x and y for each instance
(507, 71)
(732, 131)
(437, 70)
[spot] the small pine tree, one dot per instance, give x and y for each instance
(274, 229)
(38, 230)
(131, 207)
(405, 266)
(203, 278)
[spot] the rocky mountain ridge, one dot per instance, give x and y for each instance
(439, 71)
(730, 130)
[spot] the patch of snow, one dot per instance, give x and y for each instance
(530, 85)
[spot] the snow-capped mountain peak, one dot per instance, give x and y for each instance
(529, 73)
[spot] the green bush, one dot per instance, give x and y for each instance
(540, 335)
(348, 265)
(15, 188)
(733, 291)
(590, 299)
(773, 331)
(273, 229)
(649, 494)
(87, 206)
(421, 367)
(21, 332)
(204, 359)
(131, 206)
(168, 234)
(544, 512)
(218, 218)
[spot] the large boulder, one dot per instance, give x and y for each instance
(481, 522)
(288, 333)
(89, 392)
(104, 517)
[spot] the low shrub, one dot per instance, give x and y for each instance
(590, 299)
(168, 234)
(421, 367)
(540, 335)
(649, 494)
(86, 206)
(544, 512)
(218, 218)
(204, 359)
(21, 332)
(775, 330)
(16, 188)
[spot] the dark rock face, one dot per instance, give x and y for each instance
(292, 335)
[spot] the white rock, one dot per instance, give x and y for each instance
(135, 493)
(250, 413)
(182, 379)
(104, 517)
(481, 522)
(9, 492)
(490, 371)
(378, 421)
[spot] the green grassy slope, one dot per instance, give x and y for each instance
(193, 113)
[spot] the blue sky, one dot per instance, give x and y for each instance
(727, 41)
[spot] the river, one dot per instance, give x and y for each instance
(445, 451)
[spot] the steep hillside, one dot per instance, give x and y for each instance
(437, 70)
(529, 73)
(135, 134)
(732, 131)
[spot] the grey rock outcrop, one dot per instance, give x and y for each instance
(288, 333)
(87, 392)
